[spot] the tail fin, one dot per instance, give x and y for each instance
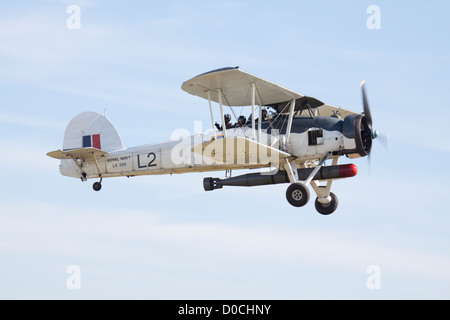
(90, 129)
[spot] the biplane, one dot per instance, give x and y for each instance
(297, 139)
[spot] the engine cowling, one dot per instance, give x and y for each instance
(357, 136)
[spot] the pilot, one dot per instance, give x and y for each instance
(242, 122)
(227, 121)
(263, 115)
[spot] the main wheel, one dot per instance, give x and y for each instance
(297, 194)
(97, 186)
(328, 208)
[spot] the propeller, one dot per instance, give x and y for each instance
(367, 113)
(371, 134)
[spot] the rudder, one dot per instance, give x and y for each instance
(90, 129)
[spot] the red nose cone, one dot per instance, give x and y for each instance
(348, 170)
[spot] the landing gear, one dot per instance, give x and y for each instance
(297, 194)
(97, 185)
(327, 208)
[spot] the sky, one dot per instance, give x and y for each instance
(164, 237)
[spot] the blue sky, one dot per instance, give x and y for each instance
(163, 237)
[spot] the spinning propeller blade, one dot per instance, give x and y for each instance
(367, 113)
(383, 139)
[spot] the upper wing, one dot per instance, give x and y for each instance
(329, 110)
(236, 90)
(84, 153)
(320, 108)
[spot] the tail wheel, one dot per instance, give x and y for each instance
(97, 186)
(328, 208)
(297, 194)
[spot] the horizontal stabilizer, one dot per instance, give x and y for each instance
(83, 153)
(240, 150)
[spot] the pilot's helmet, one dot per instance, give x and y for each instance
(242, 119)
(227, 118)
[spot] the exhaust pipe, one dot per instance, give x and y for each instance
(258, 179)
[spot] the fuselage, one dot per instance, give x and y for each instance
(310, 139)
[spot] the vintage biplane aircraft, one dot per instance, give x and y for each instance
(290, 133)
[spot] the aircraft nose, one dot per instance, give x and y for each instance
(375, 134)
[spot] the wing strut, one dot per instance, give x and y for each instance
(224, 125)
(253, 112)
(212, 117)
(291, 116)
(260, 124)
